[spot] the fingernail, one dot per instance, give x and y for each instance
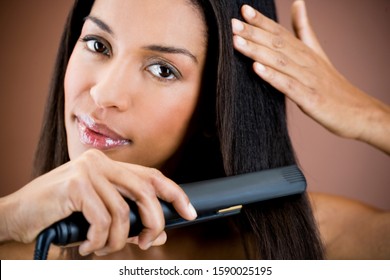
(83, 252)
(240, 41)
(84, 248)
(249, 11)
(238, 26)
(259, 67)
(147, 246)
(192, 211)
(101, 253)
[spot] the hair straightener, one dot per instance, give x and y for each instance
(212, 199)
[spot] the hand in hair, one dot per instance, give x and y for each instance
(301, 70)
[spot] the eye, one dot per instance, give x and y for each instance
(163, 71)
(96, 45)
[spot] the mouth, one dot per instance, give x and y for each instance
(97, 135)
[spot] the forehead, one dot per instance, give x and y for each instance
(169, 21)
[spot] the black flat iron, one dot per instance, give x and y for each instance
(212, 199)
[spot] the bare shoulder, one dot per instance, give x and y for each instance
(351, 229)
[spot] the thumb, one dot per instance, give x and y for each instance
(303, 29)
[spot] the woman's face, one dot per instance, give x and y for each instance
(133, 80)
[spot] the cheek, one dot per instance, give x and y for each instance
(77, 82)
(73, 85)
(70, 85)
(167, 123)
(174, 119)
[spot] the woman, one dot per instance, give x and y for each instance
(146, 101)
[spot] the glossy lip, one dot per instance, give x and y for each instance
(97, 135)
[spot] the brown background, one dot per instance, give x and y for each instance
(354, 33)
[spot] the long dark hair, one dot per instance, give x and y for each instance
(240, 127)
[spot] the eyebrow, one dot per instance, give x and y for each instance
(171, 50)
(157, 48)
(101, 24)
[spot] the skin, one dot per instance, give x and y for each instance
(350, 229)
(93, 180)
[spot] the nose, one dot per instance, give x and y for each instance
(113, 87)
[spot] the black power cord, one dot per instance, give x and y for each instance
(67, 231)
(75, 227)
(43, 243)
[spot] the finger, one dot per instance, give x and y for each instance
(93, 183)
(147, 186)
(255, 18)
(152, 219)
(257, 35)
(264, 31)
(133, 240)
(160, 240)
(144, 186)
(303, 29)
(299, 93)
(276, 60)
(165, 189)
(119, 213)
(175, 195)
(286, 44)
(95, 212)
(132, 182)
